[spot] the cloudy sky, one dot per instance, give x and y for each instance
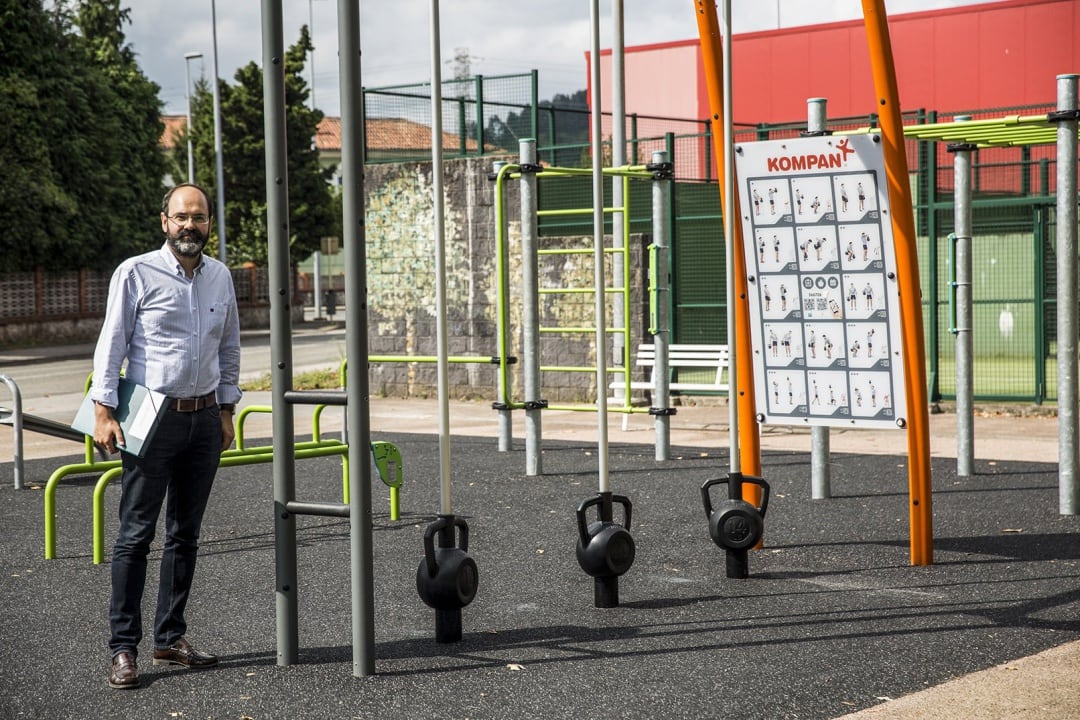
(499, 37)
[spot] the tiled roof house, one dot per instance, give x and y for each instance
(387, 139)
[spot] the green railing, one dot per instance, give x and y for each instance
(386, 456)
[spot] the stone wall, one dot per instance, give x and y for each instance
(402, 277)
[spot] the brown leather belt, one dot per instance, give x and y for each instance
(186, 405)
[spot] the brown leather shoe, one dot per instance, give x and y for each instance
(182, 653)
(123, 672)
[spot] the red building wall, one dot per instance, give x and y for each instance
(995, 55)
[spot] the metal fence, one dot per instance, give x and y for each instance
(1013, 217)
(30, 297)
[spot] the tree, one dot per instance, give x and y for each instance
(130, 108)
(76, 116)
(26, 170)
(311, 214)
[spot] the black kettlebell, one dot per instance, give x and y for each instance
(447, 577)
(735, 524)
(605, 548)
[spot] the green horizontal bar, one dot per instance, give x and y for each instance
(592, 408)
(612, 370)
(566, 291)
(628, 171)
(580, 251)
(567, 368)
(577, 211)
(610, 330)
(572, 291)
(1007, 131)
(431, 358)
(567, 251)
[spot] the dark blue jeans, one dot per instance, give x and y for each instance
(179, 465)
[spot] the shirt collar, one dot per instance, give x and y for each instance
(172, 261)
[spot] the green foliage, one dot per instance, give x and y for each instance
(311, 202)
(79, 128)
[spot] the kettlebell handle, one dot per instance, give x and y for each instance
(707, 501)
(444, 524)
(604, 501)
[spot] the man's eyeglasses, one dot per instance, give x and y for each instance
(182, 219)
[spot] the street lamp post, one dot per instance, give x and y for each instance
(217, 141)
(188, 57)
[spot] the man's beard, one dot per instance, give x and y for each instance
(188, 243)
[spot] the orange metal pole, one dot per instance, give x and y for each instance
(749, 435)
(907, 266)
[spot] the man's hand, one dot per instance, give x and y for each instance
(107, 432)
(228, 432)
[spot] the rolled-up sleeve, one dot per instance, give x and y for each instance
(228, 390)
(112, 345)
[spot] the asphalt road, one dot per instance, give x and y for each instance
(42, 372)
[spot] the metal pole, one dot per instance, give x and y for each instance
(442, 372)
(735, 461)
(739, 341)
(820, 471)
(311, 34)
(530, 321)
(17, 429)
(661, 191)
(277, 224)
(599, 276)
(317, 287)
(965, 388)
(188, 57)
(502, 263)
(356, 339)
(217, 141)
(1069, 494)
(620, 340)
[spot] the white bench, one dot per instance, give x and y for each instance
(713, 357)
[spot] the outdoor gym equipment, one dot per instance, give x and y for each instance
(386, 457)
(447, 577)
(734, 524)
(605, 549)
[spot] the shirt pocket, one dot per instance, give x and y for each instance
(216, 316)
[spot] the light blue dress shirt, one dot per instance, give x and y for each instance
(179, 336)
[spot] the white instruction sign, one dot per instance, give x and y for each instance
(821, 277)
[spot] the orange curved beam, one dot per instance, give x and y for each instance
(907, 270)
(749, 432)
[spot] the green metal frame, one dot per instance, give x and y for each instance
(512, 171)
(386, 456)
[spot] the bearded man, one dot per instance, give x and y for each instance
(172, 318)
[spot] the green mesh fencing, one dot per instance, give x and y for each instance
(480, 115)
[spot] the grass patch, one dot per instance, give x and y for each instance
(325, 379)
